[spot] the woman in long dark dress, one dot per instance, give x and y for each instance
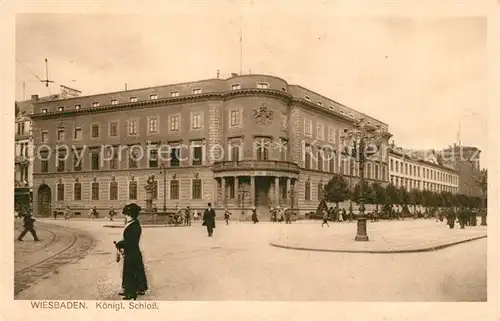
(134, 279)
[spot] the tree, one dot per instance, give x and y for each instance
(393, 194)
(379, 194)
(336, 190)
(404, 199)
(367, 193)
(415, 198)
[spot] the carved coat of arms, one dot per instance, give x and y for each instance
(263, 115)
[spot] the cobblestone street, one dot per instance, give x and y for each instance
(239, 264)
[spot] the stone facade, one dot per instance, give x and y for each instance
(254, 132)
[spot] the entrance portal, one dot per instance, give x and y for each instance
(44, 200)
(262, 199)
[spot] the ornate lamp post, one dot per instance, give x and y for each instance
(163, 171)
(361, 142)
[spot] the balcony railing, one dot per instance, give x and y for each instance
(255, 165)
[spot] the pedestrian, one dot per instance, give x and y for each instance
(134, 281)
(54, 213)
(226, 216)
(209, 219)
(67, 213)
(288, 215)
(112, 213)
(28, 221)
(344, 215)
(93, 213)
(195, 215)
(341, 215)
(451, 217)
(325, 219)
(254, 215)
(187, 216)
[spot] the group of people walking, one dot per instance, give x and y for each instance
(462, 216)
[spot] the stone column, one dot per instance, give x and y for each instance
(223, 191)
(288, 184)
(236, 189)
(252, 191)
(277, 191)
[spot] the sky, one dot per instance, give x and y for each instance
(421, 76)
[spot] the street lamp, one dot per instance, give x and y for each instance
(364, 141)
(163, 171)
(243, 191)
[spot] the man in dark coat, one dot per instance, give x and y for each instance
(134, 279)
(255, 219)
(28, 227)
(209, 219)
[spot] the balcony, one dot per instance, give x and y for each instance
(269, 165)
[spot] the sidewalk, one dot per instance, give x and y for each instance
(385, 237)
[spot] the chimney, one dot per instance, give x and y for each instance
(233, 74)
(34, 97)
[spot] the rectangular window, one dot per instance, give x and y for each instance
(235, 152)
(78, 133)
(174, 94)
(262, 85)
(307, 158)
(61, 161)
(174, 189)
(113, 129)
(153, 125)
(95, 104)
(45, 137)
(60, 134)
(95, 131)
(320, 161)
(196, 91)
(113, 163)
(95, 191)
(307, 191)
(262, 149)
(95, 161)
(196, 189)
(60, 192)
(44, 110)
(77, 191)
(320, 132)
(133, 99)
(113, 191)
(392, 165)
(153, 96)
(197, 156)
(196, 121)
(132, 190)
(174, 123)
(174, 157)
(132, 158)
(284, 121)
(132, 127)
(320, 103)
(114, 101)
(77, 160)
(332, 162)
(307, 98)
(283, 148)
(234, 118)
(331, 134)
(307, 127)
(320, 191)
(235, 87)
(153, 158)
(376, 172)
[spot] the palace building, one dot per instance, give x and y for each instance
(422, 170)
(248, 140)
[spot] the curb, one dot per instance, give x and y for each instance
(426, 249)
(144, 226)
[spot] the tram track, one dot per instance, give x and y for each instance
(78, 244)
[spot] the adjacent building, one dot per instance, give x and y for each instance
(23, 148)
(249, 140)
(422, 170)
(466, 159)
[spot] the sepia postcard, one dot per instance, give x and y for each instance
(250, 160)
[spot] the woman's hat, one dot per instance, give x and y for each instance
(131, 209)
